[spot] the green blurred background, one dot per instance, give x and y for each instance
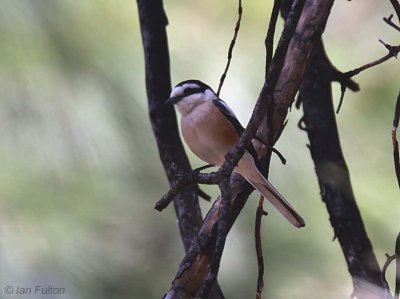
(80, 170)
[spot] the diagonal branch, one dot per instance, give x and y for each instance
(390, 22)
(285, 75)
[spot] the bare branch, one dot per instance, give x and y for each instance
(397, 254)
(396, 7)
(334, 177)
(184, 180)
(153, 21)
(389, 260)
(396, 157)
(393, 52)
(231, 46)
(390, 22)
(269, 39)
(282, 83)
(259, 251)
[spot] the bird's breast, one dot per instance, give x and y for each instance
(208, 133)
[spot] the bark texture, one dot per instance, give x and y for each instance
(153, 22)
(334, 178)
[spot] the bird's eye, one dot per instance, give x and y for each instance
(187, 90)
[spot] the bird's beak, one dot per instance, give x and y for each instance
(172, 100)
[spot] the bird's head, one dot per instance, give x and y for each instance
(190, 93)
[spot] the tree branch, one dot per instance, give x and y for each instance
(390, 22)
(258, 243)
(153, 21)
(396, 7)
(397, 254)
(334, 179)
(392, 52)
(269, 40)
(396, 158)
(231, 46)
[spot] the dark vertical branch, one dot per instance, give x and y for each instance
(260, 257)
(396, 158)
(397, 254)
(334, 178)
(153, 22)
(269, 39)
(396, 7)
(163, 118)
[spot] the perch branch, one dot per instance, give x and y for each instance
(233, 156)
(308, 30)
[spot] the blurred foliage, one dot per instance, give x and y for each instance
(80, 170)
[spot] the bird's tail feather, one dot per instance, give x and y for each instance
(279, 202)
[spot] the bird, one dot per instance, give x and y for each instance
(211, 129)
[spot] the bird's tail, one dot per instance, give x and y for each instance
(278, 201)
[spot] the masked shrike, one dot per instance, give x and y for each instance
(211, 130)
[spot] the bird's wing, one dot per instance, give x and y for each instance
(230, 115)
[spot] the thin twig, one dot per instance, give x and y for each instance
(396, 7)
(343, 89)
(269, 39)
(186, 180)
(390, 22)
(393, 52)
(260, 258)
(396, 157)
(389, 260)
(231, 46)
(397, 254)
(201, 193)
